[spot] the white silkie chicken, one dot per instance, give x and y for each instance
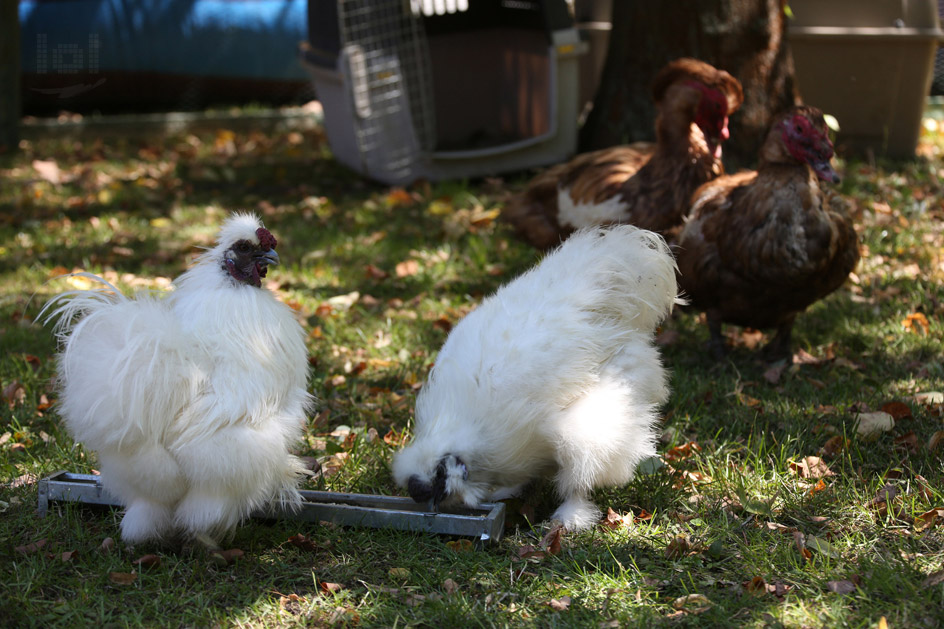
(191, 400)
(555, 374)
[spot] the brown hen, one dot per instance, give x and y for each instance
(645, 185)
(761, 246)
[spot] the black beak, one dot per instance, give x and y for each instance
(266, 258)
(432, 491)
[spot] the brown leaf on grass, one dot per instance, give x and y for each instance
(871, 424)
(107, 544)
(559, 604)
(934, 442)
(407, 268)
(834, 445)
(774, 373)
(678, 547)
(530, 552)
(803, 357)
(461, 545)
(917, 323)
(23, 480)
(398, 197)
(122, 578)
(375, 273)
(683, 451)
(818, 487)
(329, 588)
(898, 410)
(394, 438)
(14, 394)
(48, 170)
(226, 557)
(907, 442)
(928, 519)
(304, 543)
(842, 586)
(450, 587)
(68, 555)
(552, 540)
(692, 603)
(811, 467)
(29, 549)
(146, 562)
(292, 603)
(756, 586)
(933, 579)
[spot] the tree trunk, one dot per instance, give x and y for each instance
(9, 76)
(744, 37)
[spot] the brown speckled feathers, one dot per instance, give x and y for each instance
(642, 184)
(760, 247)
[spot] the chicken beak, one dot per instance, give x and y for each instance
(824, 171)
(268, 258)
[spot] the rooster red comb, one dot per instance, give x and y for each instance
(266, 239)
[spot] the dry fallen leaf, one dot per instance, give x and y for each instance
(834, 445)
(147, 562)
(461, 545)
(935, 578)
(843, 586)
(898, 410)
(934, 442)
(48, 170)
(122, 578)
(929, 519)
(330, 588)
(869, 424)
(407, 268)
(552, 540)
(559, 604)
(917, 323)
(692, 603)
(450, 586)
(811, 467)
(31, 548)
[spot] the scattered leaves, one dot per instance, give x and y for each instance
(559, 604)
(147, 562)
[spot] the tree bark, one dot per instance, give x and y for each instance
(745, 37)
(10, 104)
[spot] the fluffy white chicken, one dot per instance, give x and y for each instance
(555, 374)
(192, 400)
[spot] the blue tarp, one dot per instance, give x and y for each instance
(218, 38)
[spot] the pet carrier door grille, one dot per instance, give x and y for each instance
(387, 59)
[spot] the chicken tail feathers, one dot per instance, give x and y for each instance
(67, 308)
(635, 269)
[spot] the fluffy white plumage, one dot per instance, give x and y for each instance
(555, 374)
(191, 400)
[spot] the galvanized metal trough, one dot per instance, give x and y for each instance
(485, 523)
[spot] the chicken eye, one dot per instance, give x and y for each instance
(243, 247)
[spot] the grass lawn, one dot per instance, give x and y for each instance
(738, 527)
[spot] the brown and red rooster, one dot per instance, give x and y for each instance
(760, 246)
(640, 184)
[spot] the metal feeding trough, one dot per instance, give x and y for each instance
(485, 523)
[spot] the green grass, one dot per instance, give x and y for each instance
(721, 520)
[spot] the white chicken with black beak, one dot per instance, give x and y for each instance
(191, 400)
(556, 374)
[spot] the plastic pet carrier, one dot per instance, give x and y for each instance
(445, 89)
